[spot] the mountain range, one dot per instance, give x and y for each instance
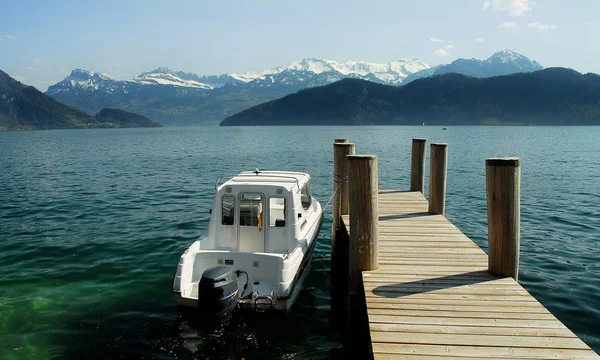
(177, 97)
(553, 96)
(501, 63)
(24, 107)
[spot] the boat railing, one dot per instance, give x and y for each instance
(222, 177)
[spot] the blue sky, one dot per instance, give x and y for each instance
(42, 41)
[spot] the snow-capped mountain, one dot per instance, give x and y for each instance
(513, 60)
(176, 93)
(391, 73)
(165, 76)
(500, 63)
(85, 80)
(173, 97)
(306, 71)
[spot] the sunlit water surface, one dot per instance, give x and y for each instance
(92, 223)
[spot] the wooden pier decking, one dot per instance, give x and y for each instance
(432, 296)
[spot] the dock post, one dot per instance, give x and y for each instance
(340, 177)
(503, 192)
(339, 237)
(363, 254)
(438, 171)
(417, 165)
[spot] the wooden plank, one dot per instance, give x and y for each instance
(486, 351)
(435, 244)
(399, 229)
(480, 339)
(500, 303)
(426, 284)
(433, 261)
(491, 314)
(432, 271)
(391, 241)
(479, 277)
(464, 297)
(434, 254)
(433, 290)
(436, 268)
(472, 330)
(373, 283)
(433, 320)
(418, 237)
(382, 356)
(418, 251)
(460, 307)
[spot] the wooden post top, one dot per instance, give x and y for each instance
(343, 144)
(439, 144)
(419, 140)
(340, 141)
(360, 157)
(503, 161)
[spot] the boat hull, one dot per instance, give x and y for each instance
(258, 297)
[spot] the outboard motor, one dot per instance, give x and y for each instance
(218, 294)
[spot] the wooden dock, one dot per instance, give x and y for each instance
(431, 294)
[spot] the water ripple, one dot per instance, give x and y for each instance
(92, 224)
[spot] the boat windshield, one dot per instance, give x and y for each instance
(251, 209)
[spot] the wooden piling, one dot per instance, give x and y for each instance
(417, 165)
(363, 252)
(438, 170)
(503, 191)
(364, 215)
(339, 239)
(340, 178)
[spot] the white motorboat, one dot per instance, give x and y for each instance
(257, 249)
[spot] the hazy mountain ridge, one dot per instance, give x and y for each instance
(24, 107)
(393, 72)
(177, 97)
(554, 96)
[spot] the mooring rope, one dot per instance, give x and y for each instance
(339, 180)
(332, 195)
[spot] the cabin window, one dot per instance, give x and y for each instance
(251, 209)
(277, 212)
(305, 196)
(227, 210)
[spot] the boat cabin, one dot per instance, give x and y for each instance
(260, 212)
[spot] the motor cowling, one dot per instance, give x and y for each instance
(218, 293)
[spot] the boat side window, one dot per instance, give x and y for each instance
(251, 209)
(227, 210)
(305, 196)
(277, 212)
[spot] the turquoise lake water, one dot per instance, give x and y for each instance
(92, 224)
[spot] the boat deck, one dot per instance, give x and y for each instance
(432, 296)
